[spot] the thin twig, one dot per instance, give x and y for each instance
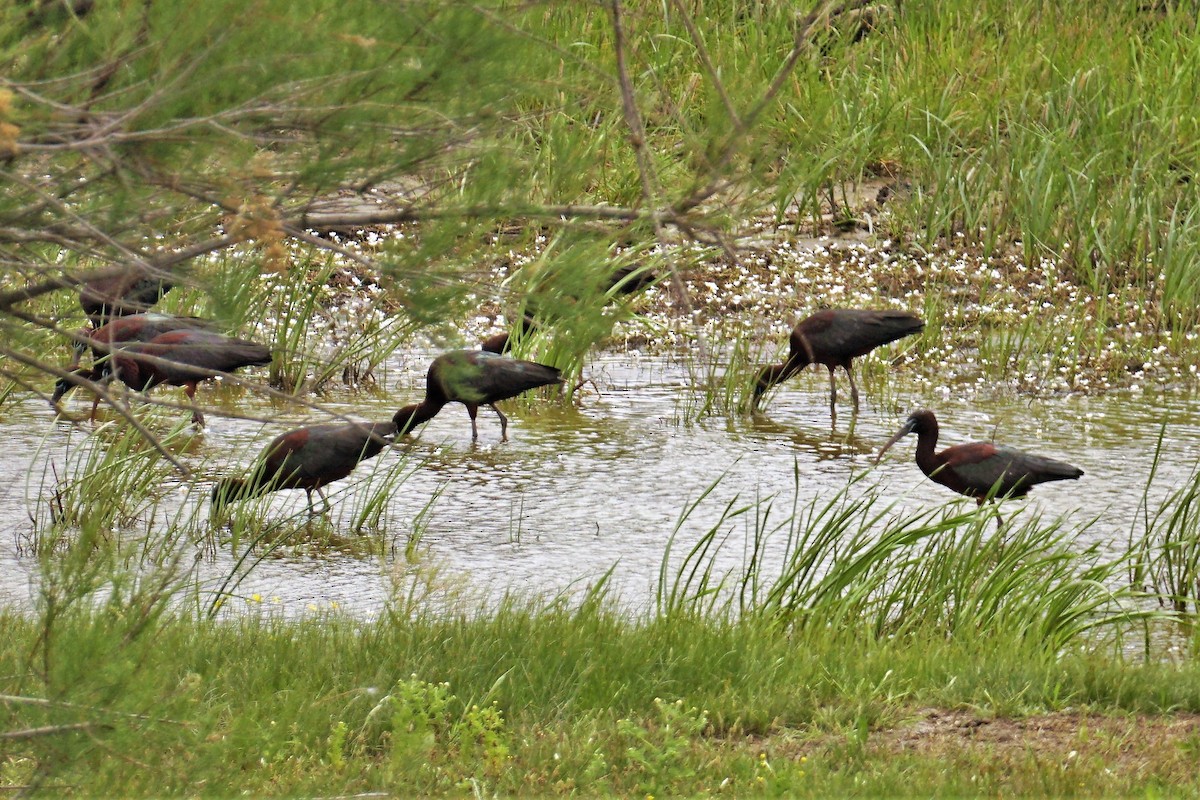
(42, 366)
(41, 701)
(50, 730)
(800, 44)
(637, 130)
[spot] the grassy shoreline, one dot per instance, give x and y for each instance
(1041, 217)
(868, 652)
(544, 699)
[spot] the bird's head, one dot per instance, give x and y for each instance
(767, 377)
(61, 387)
(65, 384)
(918, 422)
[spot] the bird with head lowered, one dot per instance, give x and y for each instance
(835, 337)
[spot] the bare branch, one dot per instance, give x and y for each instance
(92, 386)
(637, 130)
(50, 730)
(801, 42)
(706, 62)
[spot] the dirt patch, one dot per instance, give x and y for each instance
(1137, 743)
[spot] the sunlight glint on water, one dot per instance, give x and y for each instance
(577, 490)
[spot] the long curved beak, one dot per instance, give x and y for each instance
(905, 430)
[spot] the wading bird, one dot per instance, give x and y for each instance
(835, 337)
(975, 469)
(182, 358)
(624, 280)
(501, 343)
(309, 458)
(476, 378)
(120, 331)
(129, 292)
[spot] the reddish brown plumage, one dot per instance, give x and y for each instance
(184, 358)
(834, 337)
(978, 469)
(120, 331)
(307, 458)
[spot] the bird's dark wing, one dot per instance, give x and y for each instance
(321, 454)
(839, 334)
(982, 465)
(203, 350)
(474, 376)
(508, 377)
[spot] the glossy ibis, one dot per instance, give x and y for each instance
(307, 458)
(183, 358)
(835, 337)
(501, 343)
(624, 280)
(475, 378)
(120, 331)
(975, 469)
(129, 292)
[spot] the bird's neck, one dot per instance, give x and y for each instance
(796, 361)
(927, 458)
(777, 373)
(416, 414)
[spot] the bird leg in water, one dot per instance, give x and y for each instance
(503, 422)
(853, 388)
(992, 504)
(190, 390)
(832, 393)
(473, 410)
(106, 381)
(325, 507)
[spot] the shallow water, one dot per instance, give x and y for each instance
(579, 490)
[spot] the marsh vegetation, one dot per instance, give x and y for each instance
(649, 590)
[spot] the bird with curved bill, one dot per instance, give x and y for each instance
(835, 337)
(981, 470)
(310, 458)
(477, 378)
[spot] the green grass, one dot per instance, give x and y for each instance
(1052, 152)
(568, 697)
(843, 621)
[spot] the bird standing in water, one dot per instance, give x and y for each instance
(476, 378)
(183, 358)
(129, 292)
(308, 458)
(120, 331)
(835, 337)
(978, 468)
